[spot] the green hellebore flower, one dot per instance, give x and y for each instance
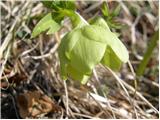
(83, 48)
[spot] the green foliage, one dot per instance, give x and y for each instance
(147, 55)
(76, 19)
(58, 17)
(46, 23)
(52, 21)
(116, 11)
(59, 4)
(85, 45)
(105, 10)
(109, 16)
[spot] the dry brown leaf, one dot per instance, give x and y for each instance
(17, 78)
(33, 103)
(9, 77)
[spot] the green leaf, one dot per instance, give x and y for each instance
(105, 9)
(68, 5)
(115, 25)
(116, 11)
(46, 23)
(58, 17)
(59, 4)
(111, 60)
(148, 54)
(51, 4)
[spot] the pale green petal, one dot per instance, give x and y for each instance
(86, 54)
(111, 60)
(100, 22)
(83, 48)
(70, 40)
(63, 60)
(95, 33)
(118, 47)
(100, 34)
(76, 75)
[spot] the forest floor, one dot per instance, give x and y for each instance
(31, 86)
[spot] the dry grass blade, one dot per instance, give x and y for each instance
(7, 40)
(47, 54)
(5, 60)
(67, 103)
(98, 81)
(120, 81)
(133, 90)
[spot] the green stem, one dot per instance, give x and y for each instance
(76, 19)
(147, 55)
